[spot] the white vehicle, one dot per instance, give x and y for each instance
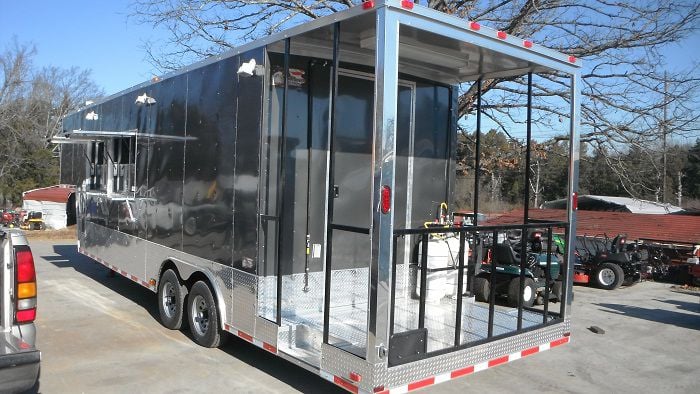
(278, 192)
(19, 358)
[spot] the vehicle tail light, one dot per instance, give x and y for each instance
(386, 199)
(25, 275)
(407, 4)
(367, 4)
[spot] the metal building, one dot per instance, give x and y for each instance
(284, 185)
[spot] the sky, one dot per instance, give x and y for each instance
(95, 35)
(100, 36)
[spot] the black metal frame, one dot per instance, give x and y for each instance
(548, 317)
(330, 194)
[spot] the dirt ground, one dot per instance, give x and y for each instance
(68, 233)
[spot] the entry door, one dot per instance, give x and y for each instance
(351, 216)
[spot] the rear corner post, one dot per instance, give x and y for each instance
(386, 91)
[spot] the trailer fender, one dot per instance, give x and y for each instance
(186, 270)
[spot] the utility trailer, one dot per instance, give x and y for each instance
(278, 192)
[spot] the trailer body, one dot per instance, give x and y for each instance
(292, 176)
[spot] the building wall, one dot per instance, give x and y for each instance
(53, 213)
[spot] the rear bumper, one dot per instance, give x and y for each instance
(19, 371)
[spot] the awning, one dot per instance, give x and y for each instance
(78, 136)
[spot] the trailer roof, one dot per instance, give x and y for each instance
(438, 38)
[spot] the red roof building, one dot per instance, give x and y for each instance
(56, 203)
(679, 229)
(57, 193)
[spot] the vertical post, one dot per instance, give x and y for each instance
(281, 182)
(383, 167)
(548, 275)
(330, 195)
(475, 204)
(477, 152)
(565, 283)
(392, 305)
(423, 267)
(460, 285)
(492, 282)
(573, 190)
(526, 208)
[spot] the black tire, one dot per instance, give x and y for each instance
(557, 290)
(482, 289)
(608, 276)
(171, 300)
(203, 316)
(529, 292)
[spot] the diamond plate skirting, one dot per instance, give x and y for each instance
(337, 362)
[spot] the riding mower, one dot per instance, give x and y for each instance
(507, 276)
(34, 221)
(605, 263)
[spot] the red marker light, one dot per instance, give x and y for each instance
(574, 201)
(386, 199)
(407, 4)
(527, 44)
(474, 26)
(25, 266)
(572, 59)
(502, 35)
(355, 377)
(367, 5)
(25, 316)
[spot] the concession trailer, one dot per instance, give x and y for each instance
(279, 191)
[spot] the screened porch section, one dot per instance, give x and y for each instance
(358, 154)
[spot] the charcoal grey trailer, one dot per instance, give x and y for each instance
(278, 192)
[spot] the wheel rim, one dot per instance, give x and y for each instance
(169, 300)
(527, 293)
(606, 276)
(200, 315)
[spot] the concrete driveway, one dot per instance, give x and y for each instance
(101, 335)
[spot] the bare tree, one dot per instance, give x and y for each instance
(32, 104)
(623, 81)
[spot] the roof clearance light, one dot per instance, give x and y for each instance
(474, 26)
(502, 35)
(386, 199)
(572, 59)
(407, 4)
(527, 44)
(366, 5)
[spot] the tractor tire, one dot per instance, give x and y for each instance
(171, 300)
(482, 289)
(203, 316)
(529, 292)
(608, 276)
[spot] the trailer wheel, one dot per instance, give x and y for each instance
(482, 289)
(203, 317)
(171, 300)
(529, 292)
(609, 276)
